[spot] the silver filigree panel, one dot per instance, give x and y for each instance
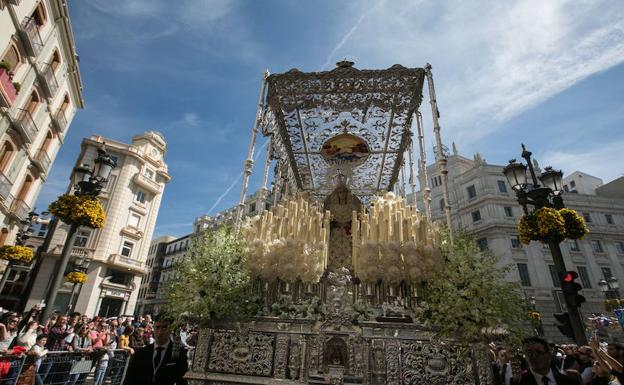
(241, 353)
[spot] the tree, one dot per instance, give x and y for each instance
(469, 298)
(213, 282)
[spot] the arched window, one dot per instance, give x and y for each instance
(55, 61)
(39, 15)
(47, 142)
(65, 105)
(23, 193)
(12, 57)
(6, 155)
(33, 102)
(4, 233)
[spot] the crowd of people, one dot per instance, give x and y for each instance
(95, 340)
(541, 363)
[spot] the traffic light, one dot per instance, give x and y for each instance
(565, 326)
(571, 289)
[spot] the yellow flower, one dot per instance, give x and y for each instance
(550, 225)
(16, 253)
(76, 277)
(574, 224)
(82, 210)
(527, 227)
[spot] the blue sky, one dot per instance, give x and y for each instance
(547, 73)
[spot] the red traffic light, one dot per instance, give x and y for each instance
(570, 276)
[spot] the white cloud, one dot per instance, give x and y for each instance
(191, 119)
(492, 60)
(600, 161)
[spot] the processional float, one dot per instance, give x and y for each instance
(341, 237)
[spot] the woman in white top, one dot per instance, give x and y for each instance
(28, 337)
(39, 352)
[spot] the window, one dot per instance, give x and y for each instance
(587, 217)
(115, 158)
(566, 188)
(110, 183)
(126, 249)
(609, 218)
(482, 243)
(149, 173)
(119, 277)
(252, 207)
(554, 276)
(582, 272)
(6, 155)
(502, 186)
(523, 270)
(574, 246)
(82, 237)
(472, 191)
(39, 15)
(140, 196)
(442, 204)
(606, 272)
(572, 184)
(508, 211)
(12, 57)
(476, 216)
(597, 246)
(515, 242)
(619, 246)
(134, 220)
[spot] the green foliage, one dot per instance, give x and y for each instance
(6, 66)
(470, 295)
(213, 282)
(17, 86)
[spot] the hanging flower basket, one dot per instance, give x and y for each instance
(527, 227)
(550, 225)
(574, 224)
(82, 210)
(17, 254)
(535, 316)
(76, 277)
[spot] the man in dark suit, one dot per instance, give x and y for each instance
(501, 368)
(538, 356)
(162, 363)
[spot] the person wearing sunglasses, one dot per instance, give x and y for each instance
(539, 358)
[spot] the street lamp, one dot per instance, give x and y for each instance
(610, 288)
(23, 233)
(86, 181)
(544, 190)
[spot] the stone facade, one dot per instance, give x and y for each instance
(483, 204)
(37, 44)
(117, 252)
(148, 302)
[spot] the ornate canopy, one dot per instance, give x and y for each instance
(345, 122)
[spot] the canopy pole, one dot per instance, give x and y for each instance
(277, 183)
(440, 156)
(422, 168)
(403, 189)
(248, 163)
(411, 180)
(265, 174)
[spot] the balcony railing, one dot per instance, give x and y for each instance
(31, 37)
(5, 189)
(50, 84)
(8, 93)
(81, 252)
(147, 183)
(60, 121)
(25, 125)
(128, 263)
(20, 209)
(42, 161)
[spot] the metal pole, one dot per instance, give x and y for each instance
(574, 313)
(60, 272)
(265, 176)
(422, 167)
(441, 158)
(248, 164)
(5, 276)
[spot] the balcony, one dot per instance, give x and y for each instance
(25, 125)
(130, 264)
(5, 190)
(81, 252)
(20, 209)
(60, 121)
(148, 184)
(8, 93)
(29, 32)
(42, 161)
(50, 84)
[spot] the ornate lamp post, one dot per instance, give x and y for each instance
(86, 181)
(610, 288)
(21, 237)
(545, 191)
